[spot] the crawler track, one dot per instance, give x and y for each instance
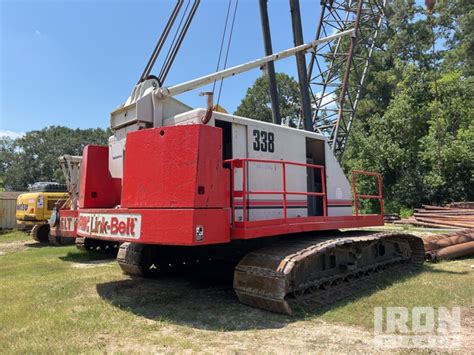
(292, 271)
(300, 270)
(318, 298)
(89, 244)
(153, 261)
(80, 243)
(129, 258)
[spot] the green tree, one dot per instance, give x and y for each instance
(448, 148)
(389, 143)
(415, 120)
(455, 26)
(6, 157)
(402, 40)
(257, 103)
(34, 156)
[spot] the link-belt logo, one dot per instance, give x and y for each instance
(108, 225)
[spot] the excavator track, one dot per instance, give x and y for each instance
(320, 270)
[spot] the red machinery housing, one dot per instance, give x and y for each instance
(177, 190)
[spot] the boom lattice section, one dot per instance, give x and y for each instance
(338, 68)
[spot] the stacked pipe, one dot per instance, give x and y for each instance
(467, 205)
(449, 246)
(455, 215)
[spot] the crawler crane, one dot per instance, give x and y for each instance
(177, 185)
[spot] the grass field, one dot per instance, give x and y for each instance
(59, 299)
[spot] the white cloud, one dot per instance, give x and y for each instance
(37, 33)
(10, 134)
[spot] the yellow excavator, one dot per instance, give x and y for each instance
(34, 208)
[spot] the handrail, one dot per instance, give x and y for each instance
(241, 163)
(364, 196)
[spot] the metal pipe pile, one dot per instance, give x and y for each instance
(453, 216)
(449, 246)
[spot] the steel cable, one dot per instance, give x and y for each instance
(228, 48)
(222, 42)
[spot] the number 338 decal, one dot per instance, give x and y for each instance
(263, 141)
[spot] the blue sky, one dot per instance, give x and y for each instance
(70, 63)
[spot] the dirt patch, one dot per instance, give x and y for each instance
(467, 329)
(92, 264)
(16, 246)
(298, 337)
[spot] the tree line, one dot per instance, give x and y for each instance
(34, 156)
(415, 123)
